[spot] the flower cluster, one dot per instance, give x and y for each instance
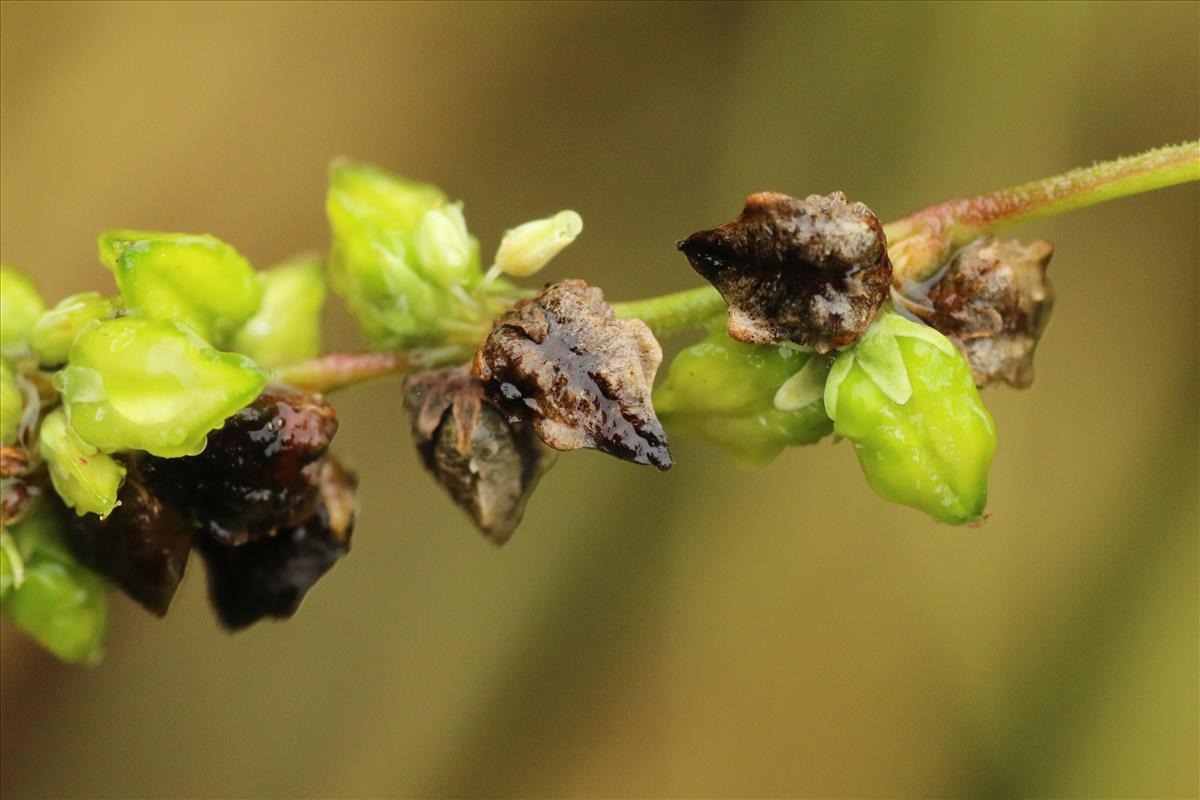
(183, 413)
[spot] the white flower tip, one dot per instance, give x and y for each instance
(527, 248)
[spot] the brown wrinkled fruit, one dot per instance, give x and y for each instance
(142, 546)
(269, 576)
(490, 466)
(257, 472)
(583, 377)
(994, 300)
(812, 271)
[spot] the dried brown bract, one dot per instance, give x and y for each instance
(142, 546)
(268, 577)
(583, 377)
(14, 461)
(994, 300)
(812, 271)
(490, 466)
(257, 472)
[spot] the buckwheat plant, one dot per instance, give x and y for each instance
(187, 411)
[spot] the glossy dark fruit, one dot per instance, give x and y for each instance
(488, 465)
(142, 546)
(814, 271)
(994, 301)
(257, 472)
(270, 575)
(580, 375)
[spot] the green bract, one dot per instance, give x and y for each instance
(905, 397)
(63, 606)
(58, 602)
(287, 327)
(140, 384)
(55, 331)
(10, 405)
(86, 479)
(726, 392)
(20, 306)
(404, 260)
(196, 279)
(12, 566)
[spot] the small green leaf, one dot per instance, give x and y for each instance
(724, 392)
(930, 452)
(195, 279)
(833, 382)
(86, 479)
(137, 384)
(20, 306)
(404, 260)
(63, 606)
(12, 565)
(55, 331)
(287, 327)
(805, 387)
(10, 405)
(878, 354)
(448, 255)
(361, 194)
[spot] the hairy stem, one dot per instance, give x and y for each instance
(339, 370)
(919, 245)
(921, 242)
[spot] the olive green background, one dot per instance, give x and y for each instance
(711, 631)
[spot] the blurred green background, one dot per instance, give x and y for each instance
(711, 631)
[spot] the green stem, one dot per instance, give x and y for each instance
(334, 371)
(672, 313)
(920, 243)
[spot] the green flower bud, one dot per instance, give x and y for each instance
(63, 606)
(905, 397)
(55, 331)
(195, 279)
(287, 327)
(140, 384)
(527, 248)
(59, 603)
(360, 194)
(10, 405)
(403, 259)
(86, 479)
(20, 306)
(448, 255)
(737, 396)
(12, 566)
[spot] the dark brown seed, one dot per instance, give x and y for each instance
(812, 271)
(490, 466)
(142, 546)
(582, 377)
(994, 300)
(257, 472)
(269, 576)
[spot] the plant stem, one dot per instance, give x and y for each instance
(920, 243)
(672, 313)
(334, 371)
